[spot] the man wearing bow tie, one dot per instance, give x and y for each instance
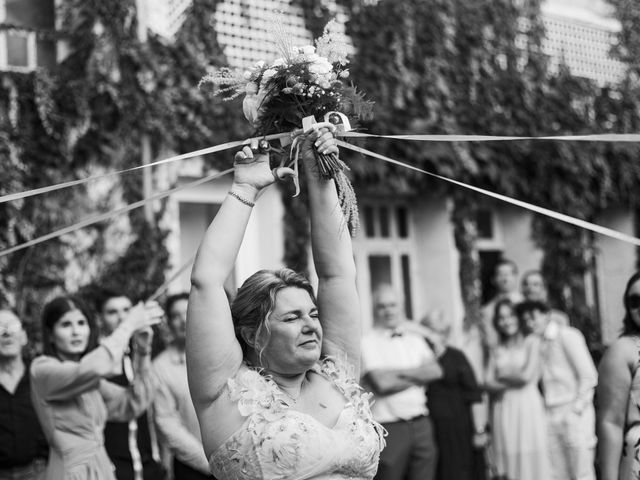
(397, 364)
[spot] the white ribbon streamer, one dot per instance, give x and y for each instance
(204, 151)
(608, 137)
(604, 137)
(160, 290)
(105, 216)
(534, 208)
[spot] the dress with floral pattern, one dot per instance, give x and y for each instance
(277, 442)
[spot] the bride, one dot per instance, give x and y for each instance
(274, 377)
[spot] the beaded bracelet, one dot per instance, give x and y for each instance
(241, 199)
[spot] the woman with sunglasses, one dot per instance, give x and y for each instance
(618, 395)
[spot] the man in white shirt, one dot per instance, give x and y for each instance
(569, 378)
(396, 366)
(174, 412)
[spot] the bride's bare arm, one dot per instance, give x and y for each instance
(338, 301)
(213, 353)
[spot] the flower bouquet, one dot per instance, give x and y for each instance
(305, 81)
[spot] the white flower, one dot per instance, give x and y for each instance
(268, 73)
(308, 50)
(259, 64)
(251, 88)
(320, 66)
(247, 74)
(278, 62)
(344, 74)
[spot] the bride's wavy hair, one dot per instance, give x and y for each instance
(255, 302)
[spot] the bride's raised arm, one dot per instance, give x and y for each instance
(213, 352)
(338, 301)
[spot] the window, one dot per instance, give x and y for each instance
(19, 49)
(24, 46)
(383, 250)
(490, 249)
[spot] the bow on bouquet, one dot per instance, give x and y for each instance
(304, 82)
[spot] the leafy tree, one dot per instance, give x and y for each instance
(461, 67)
(86, 115)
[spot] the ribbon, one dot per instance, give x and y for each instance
(608, 137)
(161, 289)
(204, 151)
(105, 216)
(604, 137)
(534, 208)
(432, 138)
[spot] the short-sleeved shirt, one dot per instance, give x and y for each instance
(381, 349)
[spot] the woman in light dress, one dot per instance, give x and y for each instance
(518, 434)
(274, 378)
(71, 397)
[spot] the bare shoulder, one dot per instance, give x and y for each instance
(623, 351)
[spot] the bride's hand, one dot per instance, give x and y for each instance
(252, 172)
(320, 140)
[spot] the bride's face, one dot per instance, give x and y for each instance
(295, 341)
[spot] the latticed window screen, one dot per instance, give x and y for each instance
(245, 28)
(583, 47)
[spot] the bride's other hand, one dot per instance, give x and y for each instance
(320, 140)
(252, 172)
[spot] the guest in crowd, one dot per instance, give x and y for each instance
(569, 379)
(274, 378)
(397, 364)
(23, 448)
(70, 394)
(618, 395)
(534, 288)
(505, 281)
(132, 445)
(518, 432)
(174, 412)
(452, 400)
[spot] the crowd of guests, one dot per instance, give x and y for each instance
(529, 415)
(95, 405)
(526, 411)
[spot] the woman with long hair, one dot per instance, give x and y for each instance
(518, 434)
(274, 377)
(618, 395)
(70, 395)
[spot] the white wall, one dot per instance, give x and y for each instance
(437, 284)
(515, 227)
(263, 245)
(616, 262)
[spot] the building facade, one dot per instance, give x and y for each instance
(404, 241)
(409, 242)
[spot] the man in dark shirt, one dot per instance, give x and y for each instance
(23, 448)
(132, 446)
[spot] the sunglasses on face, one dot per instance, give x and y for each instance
(633, 302)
